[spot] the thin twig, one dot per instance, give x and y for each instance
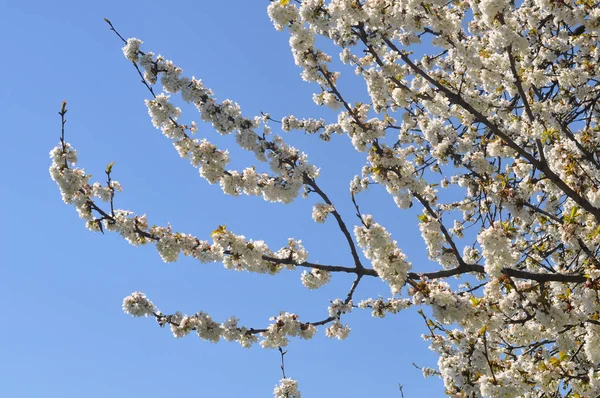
(282, 361)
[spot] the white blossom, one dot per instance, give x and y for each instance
(287, 388)
(497, 250)
(132, 49)
(315, 278)
(138, 305)
(387, 259)
(321, 211)
(337, 330)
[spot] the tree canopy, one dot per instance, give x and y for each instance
(492, 133)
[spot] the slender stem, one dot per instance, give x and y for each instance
(63, 121)
(282, 361)
(357, 263)
(443, 229)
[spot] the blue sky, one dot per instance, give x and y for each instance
(62, 286)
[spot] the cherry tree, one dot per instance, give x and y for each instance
(494, 134)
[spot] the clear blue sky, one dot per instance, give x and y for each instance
(61, 287)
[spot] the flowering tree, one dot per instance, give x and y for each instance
(494, 135)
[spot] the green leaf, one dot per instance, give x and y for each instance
(574, 212)
(284, 2)
(220, 229)
(563, 355)
(109, 167)
(554, 361)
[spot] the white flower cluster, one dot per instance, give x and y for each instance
(321, 211)
(447, 305)
(106, 193)
(339, 307)
(592, 343)
(287, 388)
(310, 126)
(497, 250)
(491, 8)
(132, 49)
(381, 307)
(138, 305)
(69, 180)
(327, 99)
(392, 170)
(315, 278)
(430, 231)
(362, 131)
(302, 41)
(285, 325)
(337, 331)
(358, 184)
(429, 372)
(387, 259)
(205, 327)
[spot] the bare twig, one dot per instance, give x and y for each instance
(282, 361)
